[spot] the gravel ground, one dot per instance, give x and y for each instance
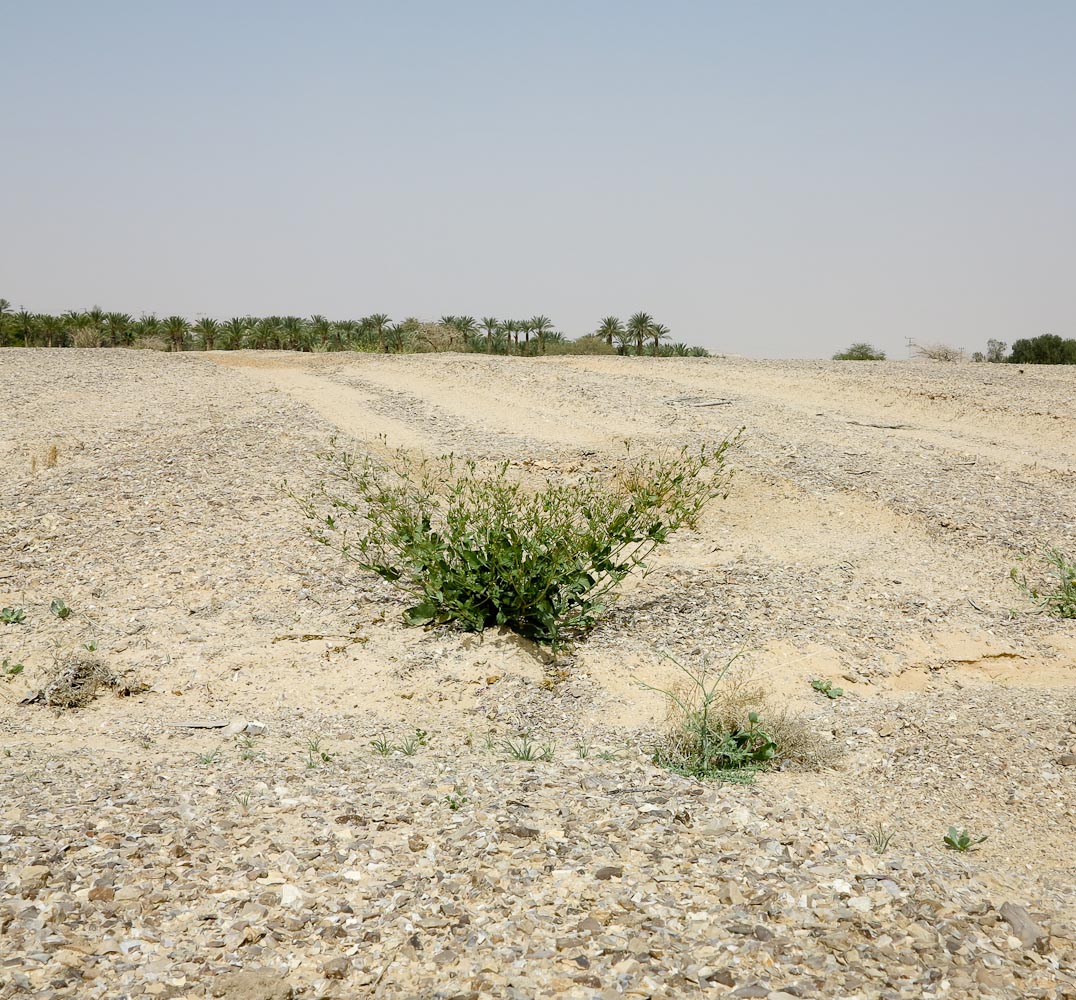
(875, 514)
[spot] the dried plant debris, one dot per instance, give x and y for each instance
(77, 680)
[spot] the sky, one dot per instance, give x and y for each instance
(774, 179)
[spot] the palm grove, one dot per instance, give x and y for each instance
(640, 334)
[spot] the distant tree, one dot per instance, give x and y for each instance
(54, 330)
(639, 326)
(294, 334)
(378, 322)
(978, 356)
(319, 330)
(510, 329)
(1046, 349)
(860, 351)
(608, 328)
(659, 332)
(938, 352)
(25, 324)
(995, 350)
(235, 331)
(117, 327)
(490, 326)
(541, 326)
(176, 328)
(7, 313)
(207, 329)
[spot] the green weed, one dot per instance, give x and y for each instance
(316, 755)
(524, 748)
(479, 549)
(702, 741)
(9, 669)
(826, 687)
(60, 609)
(1055, 593)
(12, 616)
(960, 840)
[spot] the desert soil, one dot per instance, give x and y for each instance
(875, 514)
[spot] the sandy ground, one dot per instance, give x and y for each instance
(875, 514)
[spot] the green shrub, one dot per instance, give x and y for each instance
(1055, 593)
(478, 548)
(860, 351)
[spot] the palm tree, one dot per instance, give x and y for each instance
(623, 339)
(608, 328)
(320, 329)
(177, 328)
(541, 325)
(118, 325)
(526, 329)
(510, 329)
(25, 324)
(147, 325)
(489, 325)
(659, 332)
(266, 333)
(293, 333)
(466, 325)
(378, 321)
(207, 329)
(639, 327)
(234, 331)
(96, 316)
(54, 329)
(344, 332)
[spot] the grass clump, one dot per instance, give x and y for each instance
(721, 725)
(477, 548)
(1055, 591)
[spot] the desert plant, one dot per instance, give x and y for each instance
(1056, 593)
(479, 549)
(938, 352)
(722, 724)
(524, 748)
(86, 336)
(702, 743)
(60, 609)
(961, 840)
(860, 351)
(880, 838)
(12, 616)
(8, 670)
(316, 754)
(382, 747)
(826, 687)
(456, 799)
(413, 743)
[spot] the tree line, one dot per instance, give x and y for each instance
(641, 334)
(1046, 349)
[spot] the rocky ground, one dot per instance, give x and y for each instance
(150, 849)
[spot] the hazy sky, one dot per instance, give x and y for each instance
(766, 178)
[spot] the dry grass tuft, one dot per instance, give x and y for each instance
(731, 705)
(86, 336)
(150, 344)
